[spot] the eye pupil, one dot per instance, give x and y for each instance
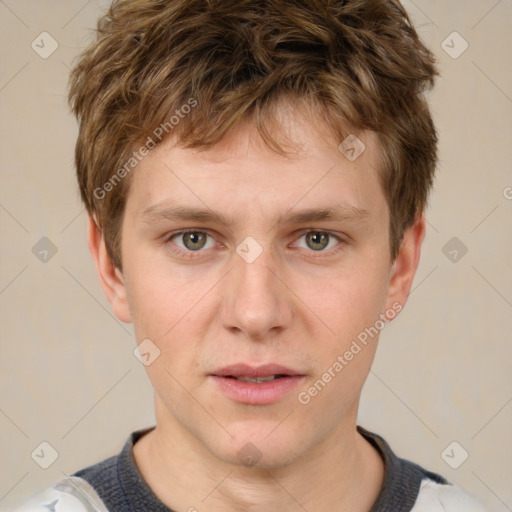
(196, 239)
(319, 238)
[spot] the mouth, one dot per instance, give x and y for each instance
(256, 385)
(242, 370)
(267, 378)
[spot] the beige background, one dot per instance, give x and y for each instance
(442, 373)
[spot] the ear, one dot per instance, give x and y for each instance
(404, 267)
(111, 278)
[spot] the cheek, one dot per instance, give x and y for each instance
(352, 309)
(165, 309)
(159, 294)
(175, 313)
(160, 305)
(354, 299)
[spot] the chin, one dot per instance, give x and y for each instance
(260, 445)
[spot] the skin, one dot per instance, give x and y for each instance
(294, 305)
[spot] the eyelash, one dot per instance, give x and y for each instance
(192, 254)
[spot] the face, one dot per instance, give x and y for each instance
(263, 280)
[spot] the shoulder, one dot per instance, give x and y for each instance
(71, 494)
(409, 487)
(95, 488)
(102, 473)
(444, 497)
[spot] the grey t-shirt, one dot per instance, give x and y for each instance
(116, 485)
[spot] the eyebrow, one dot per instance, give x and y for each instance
(340, 213)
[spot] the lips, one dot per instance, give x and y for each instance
(261, 373)
(256, 385)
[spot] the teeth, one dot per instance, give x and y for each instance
(257, 379)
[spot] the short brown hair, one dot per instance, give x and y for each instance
(360, 63)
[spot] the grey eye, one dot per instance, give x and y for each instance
(192, 240)
(317, 240)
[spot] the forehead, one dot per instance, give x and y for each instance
(243, 171)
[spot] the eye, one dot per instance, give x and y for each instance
(195, 241)
(320, 241)
(192, 241)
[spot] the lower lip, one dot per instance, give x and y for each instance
(256, 393)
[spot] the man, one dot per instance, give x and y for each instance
(256, 174)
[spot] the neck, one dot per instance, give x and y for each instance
(344, 473)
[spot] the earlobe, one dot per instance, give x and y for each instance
(404, 267)
(111, 278)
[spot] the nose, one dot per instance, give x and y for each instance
(256, 300)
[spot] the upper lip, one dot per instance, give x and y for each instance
(244, 370)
